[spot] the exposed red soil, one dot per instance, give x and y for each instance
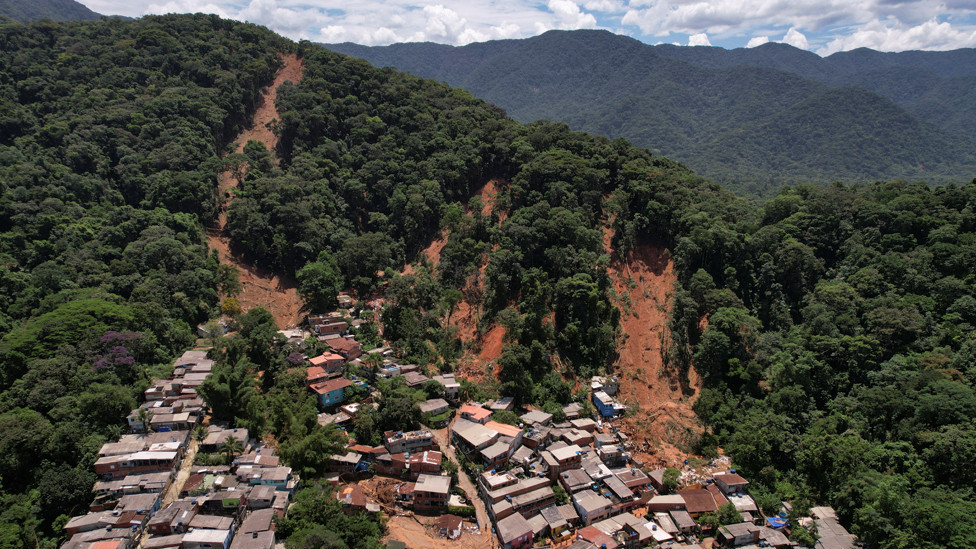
(489, 198)
(259, 287)
(432, 254)
(662, 415)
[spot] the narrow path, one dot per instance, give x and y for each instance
(175, 487)
(260, 287)
(470, 490)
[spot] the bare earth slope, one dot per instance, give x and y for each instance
(662, 418)
(260, 287)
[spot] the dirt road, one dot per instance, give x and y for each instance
(470, 490)
(173, 493)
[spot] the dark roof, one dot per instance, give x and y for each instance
(698, 500)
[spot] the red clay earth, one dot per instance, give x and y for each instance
(260, 287)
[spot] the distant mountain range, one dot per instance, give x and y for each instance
(753, 119)
(26, 11)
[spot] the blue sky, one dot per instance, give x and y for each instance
(821, 26)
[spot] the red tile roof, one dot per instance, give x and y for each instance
(331, 385)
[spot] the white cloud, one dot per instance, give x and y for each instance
(827, 25)
(604, 5)
(930, 35)
(757, 41)
(700, 39)
(570, 16)
(177, 6)
(796, 39)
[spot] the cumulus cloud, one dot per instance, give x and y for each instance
(177, 6)
(757, 41)
(822, 25)
(796, 39)
(930, 35)
(700, 39)
(570, 15)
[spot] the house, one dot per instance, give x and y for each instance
(585, 424)
(201, 538)
(606, 406)
(353, 499)
(415, 379)
(562, 459)
(471, 438)
(733, 535)
(224, 502)
(506, 404)
(698, 501)
(575, 480)
(254, 540)
(597, 537)
(261, 497)
(684, 522)
(212, 522)
(431, 493)
(120, 466)
(592, 506)
(449, 526)
(730, 482)
(345, 301)
(536, 418)
(172, 541)
(434, 406)
(410, 441)
(426, 462)
(666, 503)
(609, 385)
(657, 479)
(173, 519)
(330, 362)
(572, 410)
(452, 387)
(345, 346)
(330, 392)
(514, 532)
(257, 521)
(832, 534)
(531, 503)
(634, 478)
(344, 463)
(558, 525)
(217, 437)
(392, 464)
(473, 413)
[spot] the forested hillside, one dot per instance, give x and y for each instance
(26, 11)
(710, 107)
(833, 326)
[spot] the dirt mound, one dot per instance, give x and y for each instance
(663, 418)
(259, 287)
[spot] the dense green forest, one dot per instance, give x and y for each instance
(837, 354)
(752, 119)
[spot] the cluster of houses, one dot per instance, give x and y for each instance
(568, 484)
(217, 507)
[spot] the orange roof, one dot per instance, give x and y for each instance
(342, 344)
(105, 544)
(504, 429)
(477, 412)
(325, 358)
(315, 372)
(331, 385)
